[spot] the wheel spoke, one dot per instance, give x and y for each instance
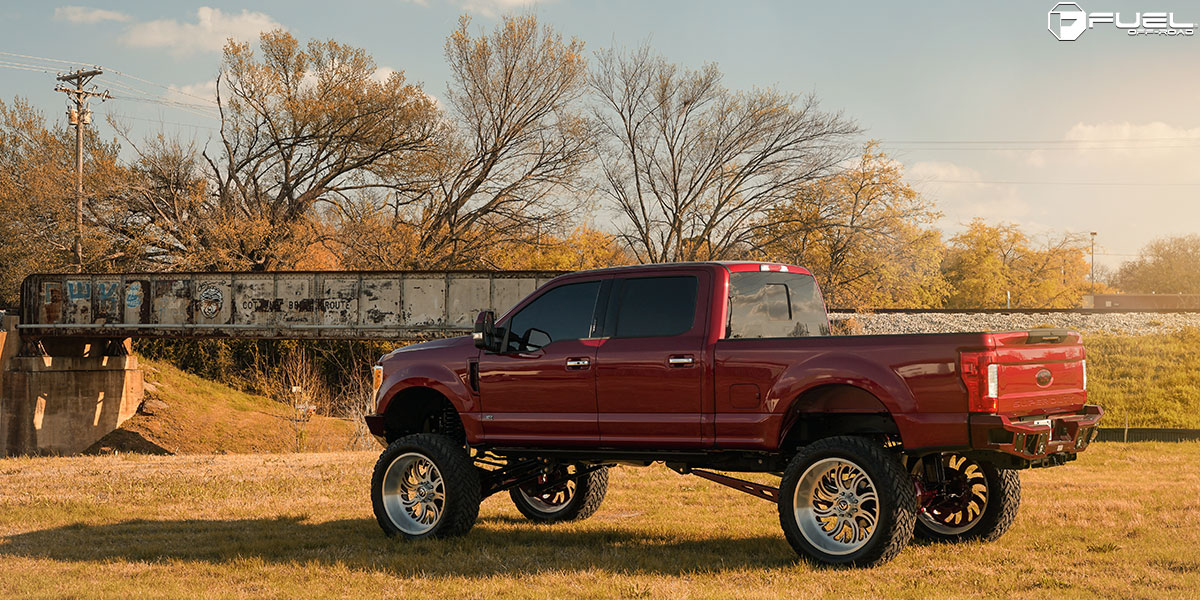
(836, 504)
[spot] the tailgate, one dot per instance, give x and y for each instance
(1038, 372)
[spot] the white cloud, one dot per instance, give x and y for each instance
(84, 14)
(936, 171)
(493, 8)
(1155, 130)
(190, 93)
(382, 73)
(207, 34)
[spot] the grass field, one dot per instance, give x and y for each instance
(1123, 521)
(1145, 381)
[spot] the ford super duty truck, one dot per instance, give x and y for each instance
(725, 367)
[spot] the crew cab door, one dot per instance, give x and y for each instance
(649, 375)
(541, 387)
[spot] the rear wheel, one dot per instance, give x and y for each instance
(961, 499)
(847, 501)
(574, 497)
(424, 485)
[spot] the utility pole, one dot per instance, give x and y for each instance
(79, 116)
(1093, 268)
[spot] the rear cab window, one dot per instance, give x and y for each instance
(645, 307)
(775, 304)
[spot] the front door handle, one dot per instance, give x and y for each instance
(681, 361)
(578, 363)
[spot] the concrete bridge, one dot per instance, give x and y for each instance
(67, 377)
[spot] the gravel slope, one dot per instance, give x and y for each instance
(1115, 323)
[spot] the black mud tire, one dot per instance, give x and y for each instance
(589, 492)
(459, 478)
(895, 509)
(1004, 500)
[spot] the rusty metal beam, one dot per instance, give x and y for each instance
(270, 305)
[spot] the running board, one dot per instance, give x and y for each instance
(765, 492)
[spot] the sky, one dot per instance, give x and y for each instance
(991, 115)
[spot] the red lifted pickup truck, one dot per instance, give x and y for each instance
(725, 366)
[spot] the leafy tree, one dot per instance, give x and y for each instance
(867, 236)
(693, 167)
(581, 248)
(986, 262)
(1169, 265)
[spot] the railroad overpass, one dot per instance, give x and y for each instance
(67, 377)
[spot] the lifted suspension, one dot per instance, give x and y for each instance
(757, 490)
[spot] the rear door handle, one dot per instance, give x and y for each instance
(578, 363)
(681, 361)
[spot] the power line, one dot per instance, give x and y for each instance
(209, 101)
(183, 107)
(1099, 183)
(67, 62)
(160, 121)
(1051, 148)
(20, 68)
(1044, 141)
(160, 97)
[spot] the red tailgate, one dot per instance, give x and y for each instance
(1039, 372)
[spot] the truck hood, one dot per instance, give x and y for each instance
(454, 342)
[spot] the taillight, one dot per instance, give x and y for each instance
(981, 375)
(1083, 363)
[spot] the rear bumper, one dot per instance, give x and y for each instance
(1065, 435)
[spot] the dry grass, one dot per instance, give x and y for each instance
(1124, 521)
(203, 416)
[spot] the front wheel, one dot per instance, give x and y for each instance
(962, 500)
(573, 498)
(425, 485)
(847, 501)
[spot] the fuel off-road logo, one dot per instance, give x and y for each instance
(1067, 21)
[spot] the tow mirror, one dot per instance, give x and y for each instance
(485, 331)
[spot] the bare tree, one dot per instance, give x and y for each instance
(692, 166)
(515, 140)
(301, 125)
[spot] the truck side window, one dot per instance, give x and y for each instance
(562, 313)
(656, 306)
(773, 304)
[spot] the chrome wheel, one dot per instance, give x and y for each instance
(414, 493)
(956, 504)
(836, 506)
(549, 501)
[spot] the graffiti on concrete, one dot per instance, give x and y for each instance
(279, 304)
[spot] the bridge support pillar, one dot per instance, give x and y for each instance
(62, 404)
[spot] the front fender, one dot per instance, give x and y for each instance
(428, 375)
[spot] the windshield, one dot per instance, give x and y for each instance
(774, 304)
